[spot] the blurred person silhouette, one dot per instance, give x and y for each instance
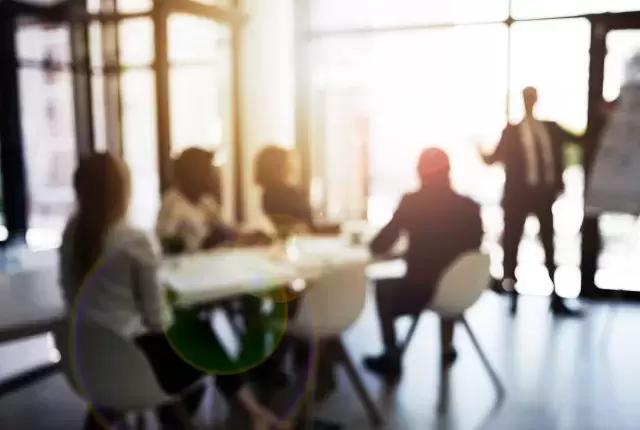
(284, 203)
(290, 212)
(190, 216)
(190, 220)
(532, 153)
(125, 294)
(440, 225)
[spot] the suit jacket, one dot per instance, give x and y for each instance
(440, 224)
(511, 152)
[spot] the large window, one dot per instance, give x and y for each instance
(553, 56)
(389, 78)
(48, 123)
(200, 93)
(388, 96)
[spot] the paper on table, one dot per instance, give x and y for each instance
(222, 274)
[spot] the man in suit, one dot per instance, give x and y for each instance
(533, 157)
(440, 225)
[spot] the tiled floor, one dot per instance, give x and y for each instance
(578, 375)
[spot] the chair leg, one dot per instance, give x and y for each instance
(444, 389)
(410, 333)
(183, 416)
(141, 421)
(500, 388)
(100, 419)
(374, 414)
(310, 396)
(91, 421)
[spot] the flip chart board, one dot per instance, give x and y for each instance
(615, 180)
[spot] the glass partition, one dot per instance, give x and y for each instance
(140, 144)
(526, 9)
(379, 99)
(200, 93)
(48, 127)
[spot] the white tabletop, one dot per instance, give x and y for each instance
(207, 277)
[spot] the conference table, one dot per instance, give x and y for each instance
(207, 277)
(203, 279)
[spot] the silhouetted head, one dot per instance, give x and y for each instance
(273, 166)
(102, 187)
(433, 166)
(195, 175)
(529, 98)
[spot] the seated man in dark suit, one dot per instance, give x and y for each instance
(441, 225)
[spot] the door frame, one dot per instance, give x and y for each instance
(601, 25)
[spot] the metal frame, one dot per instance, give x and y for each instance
(82, 95)
(12, 160)
(600, 25)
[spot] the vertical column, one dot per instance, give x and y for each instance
(267, 89)
(12, 164)
(302, 89)
(112, 71)
(237, 115)
(83, 106)
(161, 66)
(591, 241)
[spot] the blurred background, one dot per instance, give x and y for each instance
(359, 87)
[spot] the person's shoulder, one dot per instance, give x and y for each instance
(467, 204)
(171, 197)
(412, 198)
(133, 242)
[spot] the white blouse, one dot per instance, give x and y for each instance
(193, 223)
(123, 291)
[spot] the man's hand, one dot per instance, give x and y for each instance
(482, 153)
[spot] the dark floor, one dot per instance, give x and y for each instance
(578, 375)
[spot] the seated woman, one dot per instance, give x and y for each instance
(282, 201)
(290, 212)
(125, 294)
(189, 218)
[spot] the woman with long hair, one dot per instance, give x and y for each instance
(109, 275)
(282, 201)
(290, 212)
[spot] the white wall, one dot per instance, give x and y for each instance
(267, 104)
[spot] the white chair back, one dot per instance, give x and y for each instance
(333, 302)
(105, 369)
(462, 284)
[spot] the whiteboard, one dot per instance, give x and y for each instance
(615, 181)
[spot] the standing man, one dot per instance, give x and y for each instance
(533, 157)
